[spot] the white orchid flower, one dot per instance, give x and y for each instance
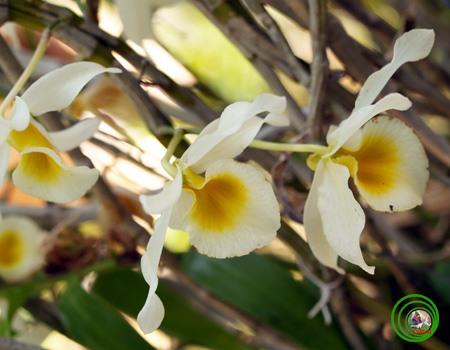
(230, 211)
(21, 248)
(385, 159)
(41, 172)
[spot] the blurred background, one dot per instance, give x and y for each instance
(183, 62)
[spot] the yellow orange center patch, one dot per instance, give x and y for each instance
(41, 167)
(30, 137)
(377, 161)
(219, 204)
(10, 249)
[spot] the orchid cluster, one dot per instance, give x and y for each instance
(40, 172)
(232, 210)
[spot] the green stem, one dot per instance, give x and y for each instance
(38, 53)
(290, 147)
(165, 162)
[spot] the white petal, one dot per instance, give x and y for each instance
(136, 16)
(56, 90)
(342, 217)
(70, 138)
(234, 213)
(236, 128)
(313, 224)
(32, 254)
(180, 208)
(19, 115)
(41, 174)
(160, 202)
(392, 150)
(339, 136)
(5, 152)
(411, 46)
(151, 315)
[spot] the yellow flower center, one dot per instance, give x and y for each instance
(41, 167)
(219, 203)
(374, 164)
(30, 137)
(10, 249)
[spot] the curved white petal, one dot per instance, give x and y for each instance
(152, 314)
(237, 127)
(347, 128)
(234, 212)
(392, 167)
(19, 115)
(342, 217)
(70, 138)
(5, 152)
(24, 244)
(180, 208)
(136, 16)
(154, 204)
(41, 174)
(313, 224)
(56, 90)
(411, 46)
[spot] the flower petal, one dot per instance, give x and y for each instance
(342, 217)
(234, 212)
(392, 167)
(19, 115)
(411, 46)
(70, 138)
(313, 224)
(152, 314)
(5, 152)
(160, 202)
(21, 251)
(136, 16)
(41, 174)
(339, 136)
(56, 90)
(238, 125)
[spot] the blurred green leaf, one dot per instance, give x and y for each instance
(127, 290)
(265, 290)
(440, 279)
(202, 48)
(94, 324)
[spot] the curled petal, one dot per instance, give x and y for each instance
(234, 212)
(152, 314)
(20, 248)
(56, 90)
(238, 125)
(411, 46)
(19, 115)
(70, 138)
(41, 174)
(342, 217)
(391, 167)
(154, 204)
(313, 224)
(349, 127)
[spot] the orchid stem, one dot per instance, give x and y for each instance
(38, 53)
(290, 147)
(174, 142)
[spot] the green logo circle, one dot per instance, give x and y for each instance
(415, 318)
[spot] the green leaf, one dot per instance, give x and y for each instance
(127, 290)
(94, 324)
(265, 290)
